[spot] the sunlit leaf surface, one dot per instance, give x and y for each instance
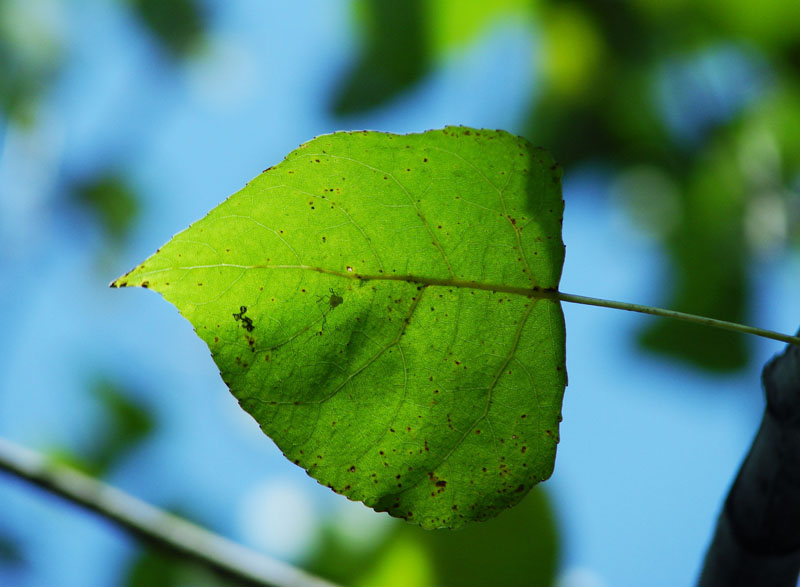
(370, 301)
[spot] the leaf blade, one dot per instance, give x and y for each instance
(431, 387)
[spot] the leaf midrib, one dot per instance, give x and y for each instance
(529, 292)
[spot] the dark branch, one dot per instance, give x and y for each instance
(757, 541)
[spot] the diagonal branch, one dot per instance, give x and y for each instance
(152, 524)
(757, 541)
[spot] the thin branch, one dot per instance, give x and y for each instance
(757, 540)
(702, 320)
(154, 525)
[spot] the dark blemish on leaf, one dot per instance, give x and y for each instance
(352, 469)
(520, 489)
(425, 160)
(478, 432)
(523, 449)
(441, 483)
(216, 339)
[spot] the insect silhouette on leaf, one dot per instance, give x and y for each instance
(332, 300)
(247, 322)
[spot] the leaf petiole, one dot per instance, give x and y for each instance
(733, 326)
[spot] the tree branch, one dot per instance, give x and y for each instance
(757, 541)
(152, 524)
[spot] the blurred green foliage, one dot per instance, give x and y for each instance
(157, 567)
(125, 425)
(401, 42)
(703, 93)
(519, 547)
(394, 56)
(112, 201)
(178, 24)
(30, 57)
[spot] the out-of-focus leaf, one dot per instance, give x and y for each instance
(518, 548)
(708, 275)
(454, 23)
(401, 41)
(159, 568)
(126, 424)
(394, 55)
(572, 50)
(177, 24)
(30, 56)
(111, 201)
(769, 23)
(372, 303)
(403, 562)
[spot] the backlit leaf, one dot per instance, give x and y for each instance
(372, 302)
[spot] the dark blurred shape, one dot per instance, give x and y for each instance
(520, 547)
(125, 425)
(394, 55)
(10, 553)
(112, 201)
(178, 24)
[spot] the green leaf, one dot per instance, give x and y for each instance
(373, 302)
